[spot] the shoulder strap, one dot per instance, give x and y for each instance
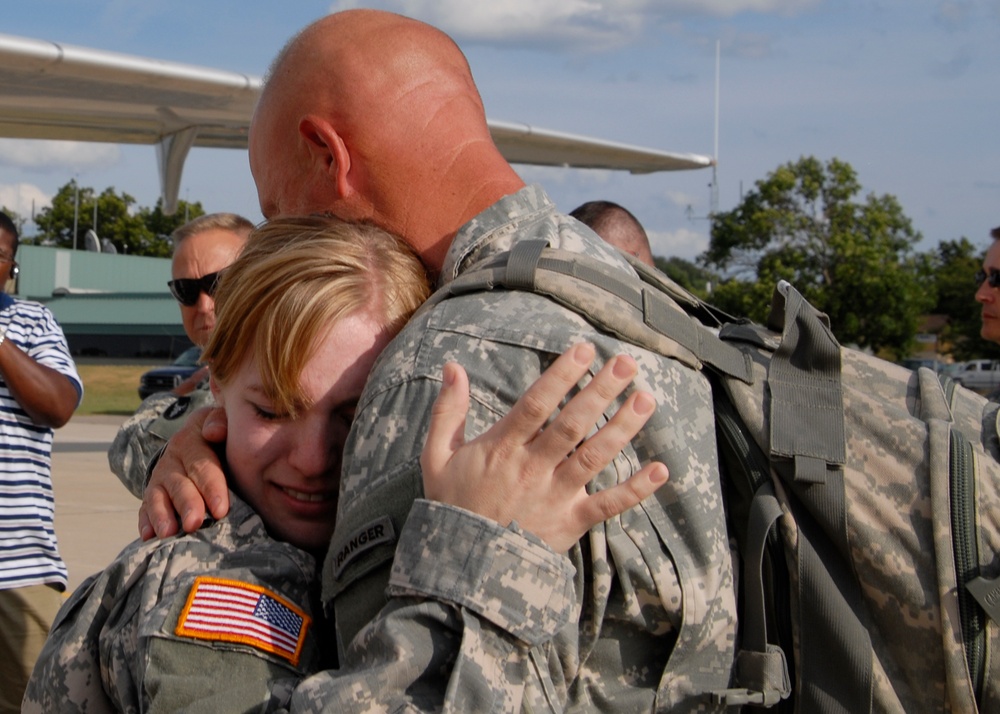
(645, 312)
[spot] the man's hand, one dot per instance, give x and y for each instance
(186, 477)
(523, 470)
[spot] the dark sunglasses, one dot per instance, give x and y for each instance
(187, 290)
(993, 276)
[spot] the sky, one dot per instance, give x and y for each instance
(906, 91)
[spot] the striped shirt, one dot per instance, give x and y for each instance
(29, 553)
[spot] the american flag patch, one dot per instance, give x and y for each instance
(233, 611)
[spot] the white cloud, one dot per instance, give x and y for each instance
(578, 179)
(730, 8)
(681, 199)
(47, 155)
(585, 25)
(22, 198)
(682, 243)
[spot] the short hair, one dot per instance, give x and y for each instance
(211, 222)
(616, 225)
(7, 224)
(995, 233)
(600, 214)
(295, 276)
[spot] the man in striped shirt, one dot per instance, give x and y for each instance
(39, 390)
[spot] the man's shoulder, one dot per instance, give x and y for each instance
(20, 308)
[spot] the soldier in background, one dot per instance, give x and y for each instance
(203, 248)
(616, 225)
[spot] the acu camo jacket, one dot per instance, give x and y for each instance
(653, 587)
(120, 642)
(148, 633)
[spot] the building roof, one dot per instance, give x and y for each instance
(117, 313)
(100, 294)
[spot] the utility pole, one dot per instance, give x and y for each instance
(713, 207)
(76, 209)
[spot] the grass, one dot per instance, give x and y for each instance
(110, 388)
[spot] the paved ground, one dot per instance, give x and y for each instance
(95, 514)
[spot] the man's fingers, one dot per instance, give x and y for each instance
(158, 513)
(213, 492)
(446, 431)
(145, 526)
(534, 408)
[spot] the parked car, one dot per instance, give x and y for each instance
(981, 375)
(163, 379)
(950, 370)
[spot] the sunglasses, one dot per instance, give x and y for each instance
(993, 277)
(187, 290)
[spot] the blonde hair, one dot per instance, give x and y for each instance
(294, 277)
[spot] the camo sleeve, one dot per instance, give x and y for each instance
(143, 434)
(469, 599)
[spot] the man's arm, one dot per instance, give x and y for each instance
(48, 396)
(143, 435)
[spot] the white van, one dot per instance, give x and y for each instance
(981, 375)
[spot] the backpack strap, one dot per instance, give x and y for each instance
(807, 401)
(807, 433)
(650, 316)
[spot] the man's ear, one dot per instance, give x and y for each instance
(327, 151)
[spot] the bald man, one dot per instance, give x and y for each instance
(617, 226)
(372, 116)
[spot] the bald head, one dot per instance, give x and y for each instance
(617, 226)
(371, 115)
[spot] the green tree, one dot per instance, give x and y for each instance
(687, 274)
(74, 205)
(161, 225)
(132, 229)
(853, 259)
(951, 269)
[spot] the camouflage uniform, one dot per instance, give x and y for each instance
(653, 584)
(129, 638)
(143, 434)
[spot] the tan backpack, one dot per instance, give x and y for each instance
(864, 497)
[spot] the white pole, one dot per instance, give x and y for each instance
(714, 208)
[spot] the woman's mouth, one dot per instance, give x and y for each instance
(307, 497)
